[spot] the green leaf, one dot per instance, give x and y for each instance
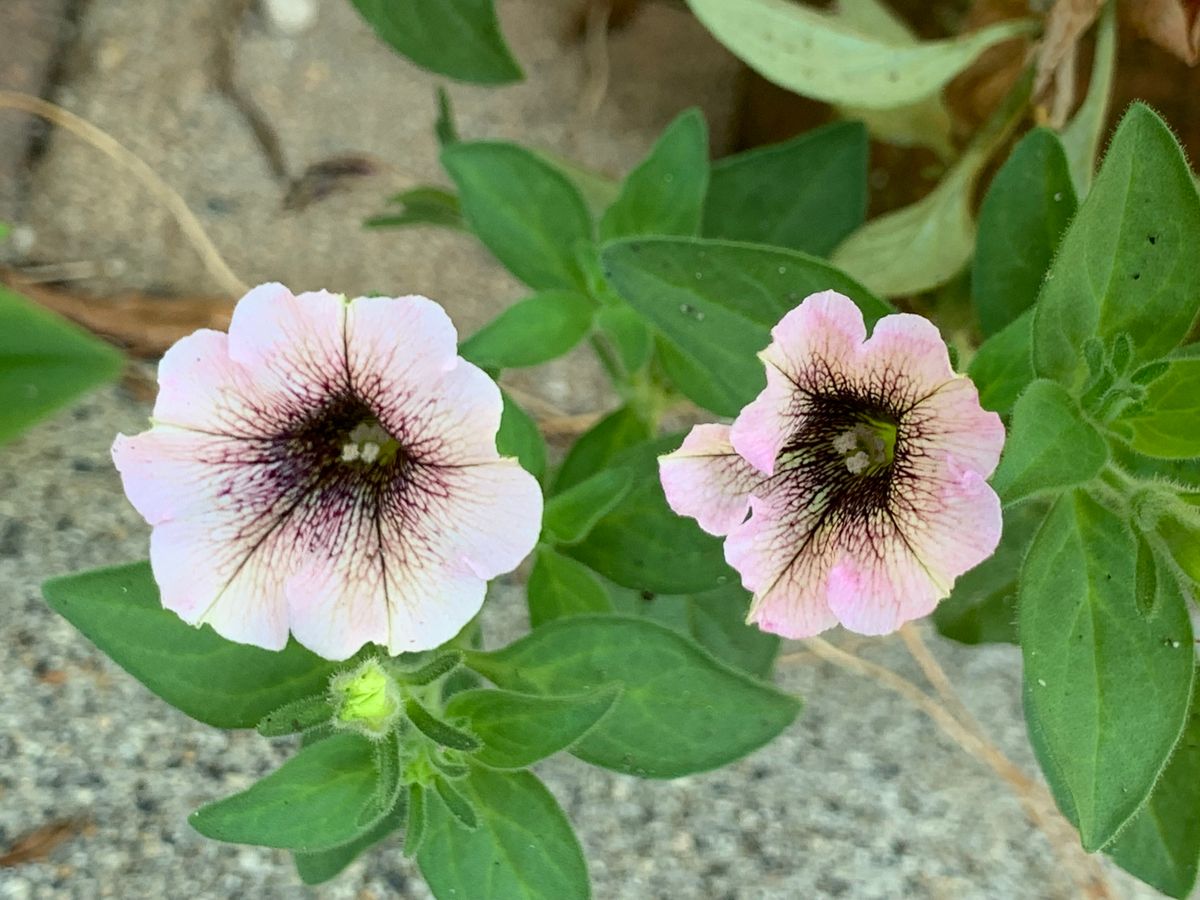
(456, 804)
(1081, 136)
(715, 619)
(1161, 843)
(422, 206)
(1124, 266)
(530, 332)
(628, 335)
(559, 586)
(1027, 208)
(445, 129)
(805, 194)
(438, 731)
(571, 515)
(524, 209)
(45, 363)
(319, 866)
(616, 432)
(523, 848)
(1002, 367)
(418, 819)
(717, 301)
(457, 38)
(681, 711)
(1050, 446)
(311, 802)
(221, 683)
(299, 715)
(665, 193)
(982, 608)
(517, 730)
(1106, 687)
(1167, 423)
(814, 54)
(641, 543)
(519, 436)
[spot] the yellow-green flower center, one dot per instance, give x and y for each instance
(867, 447)
(369, 443)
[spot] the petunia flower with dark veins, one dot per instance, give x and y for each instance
(862, 466)
(328, 467)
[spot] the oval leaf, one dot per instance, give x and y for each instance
(1050, 446)
(196, 670)
(665, 193)
(519, 436)
(519, 729)
(824, 173)
(816, 55)
(458, 38)
(1106, 687)
(681, 711)
(1027, 208)
(1002, 367)
(530, 332)
(522, 848)
(1125, 265)
(524, 209)
(571, 515)
(559, 586)
(717, 301)
(1167, 423)
(311, 802)
(318, 866)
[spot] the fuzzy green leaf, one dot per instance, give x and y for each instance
(681, 710)
(522, 848)
(311, 802)
(1050, 446)
(1125, 266)
(1106, 686)
(533, 331)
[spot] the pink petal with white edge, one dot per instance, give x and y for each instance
(293, 345)
(210, 572)
(816, 343)
(170, 473)
(404, 362)
(908, 349)
(951, 421)
(707, 480)
(786, 580)
(201, 388)
(950, 518)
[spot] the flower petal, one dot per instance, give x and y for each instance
(209, 572)
(951, 421)
(293, 345)
(906, 351)
(773, 554)
(707, 480)
(814, 345)
(202, 389)
(404, 363)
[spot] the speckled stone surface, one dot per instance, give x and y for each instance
(861, 798)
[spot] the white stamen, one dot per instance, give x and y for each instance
(846, 441)
(370, 452)
(350, 452)
(858, 462)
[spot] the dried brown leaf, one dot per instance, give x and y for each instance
(1172, 24)
(40, 842)
(327, 176)
(1065, 25)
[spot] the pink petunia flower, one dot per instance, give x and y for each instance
(329, 467)
(862, 465)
